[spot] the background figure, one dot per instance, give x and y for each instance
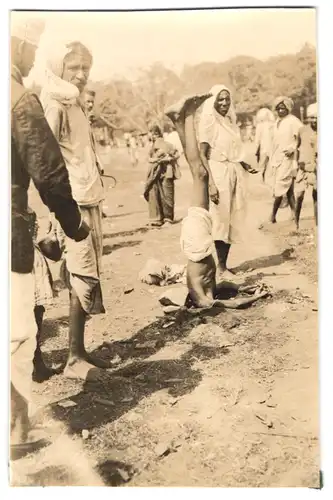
(264, 140)
(307, 162)
(160, 184)
(133, 149)
(89, 103)
(89, 96)
(222, 154)
(283, 161)
(35, 155)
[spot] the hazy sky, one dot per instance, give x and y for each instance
(123, 41)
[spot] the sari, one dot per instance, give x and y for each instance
(160, 188)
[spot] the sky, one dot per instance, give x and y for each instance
(122, 42)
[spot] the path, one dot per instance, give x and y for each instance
(230, 400)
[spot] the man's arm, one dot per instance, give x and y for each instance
(213, 191)
(42, 158)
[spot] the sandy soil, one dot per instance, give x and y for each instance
(224, 400)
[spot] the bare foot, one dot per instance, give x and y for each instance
(228, 276)
(77, 369)
(187, 104)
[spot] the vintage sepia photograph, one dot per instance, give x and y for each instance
(163, 281)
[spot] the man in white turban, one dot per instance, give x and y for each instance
(307, 162)
(67, 73)
(283, 159)
(35, 155)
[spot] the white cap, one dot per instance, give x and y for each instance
(26, 29)
(312, 110)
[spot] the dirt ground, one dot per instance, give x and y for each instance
(222, 400)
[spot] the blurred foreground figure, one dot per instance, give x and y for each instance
(35, 155)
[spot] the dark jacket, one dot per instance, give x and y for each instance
(35, 154)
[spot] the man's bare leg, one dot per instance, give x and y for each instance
(298, 207)
(315, 208)
(291, 200)
(41, 371)
(79, 361)
(240, 303)
(200, 275)
(182, 116)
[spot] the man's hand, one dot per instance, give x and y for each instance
(248, 168)
(82, 232)
(289, 152)
(214, 193)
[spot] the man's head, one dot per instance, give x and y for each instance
(155, 132)
(25, 35)
(312, 115)
(77, 65)
(89, 100)
(283, 106)
(222, 102)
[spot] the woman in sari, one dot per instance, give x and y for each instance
(160, 184)
(283, 161)
(222, 154)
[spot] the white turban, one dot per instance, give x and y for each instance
(312, 110)
(27, 30)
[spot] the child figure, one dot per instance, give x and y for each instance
(43, 297)
(196, 237)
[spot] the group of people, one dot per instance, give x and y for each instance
(52, 144)
(286, 151)
(287, 155)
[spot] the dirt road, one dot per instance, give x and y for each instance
(224, 400)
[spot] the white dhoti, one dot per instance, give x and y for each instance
(196, 239)
(23, 332)
(283, 175)
(84, 261)
(229, 214)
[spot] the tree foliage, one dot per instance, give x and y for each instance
(134, 105)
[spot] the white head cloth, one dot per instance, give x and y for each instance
(28, 30)
(54, 86)
(312, 110)
(265, 115)
(220, 132)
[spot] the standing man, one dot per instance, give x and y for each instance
(89, 103)
(35, 155)
(283, 160)
(307, 163)
(89, 96)
(68, 71)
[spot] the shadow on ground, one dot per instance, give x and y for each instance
(267, 261)
(106, 395)
(107, 249)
